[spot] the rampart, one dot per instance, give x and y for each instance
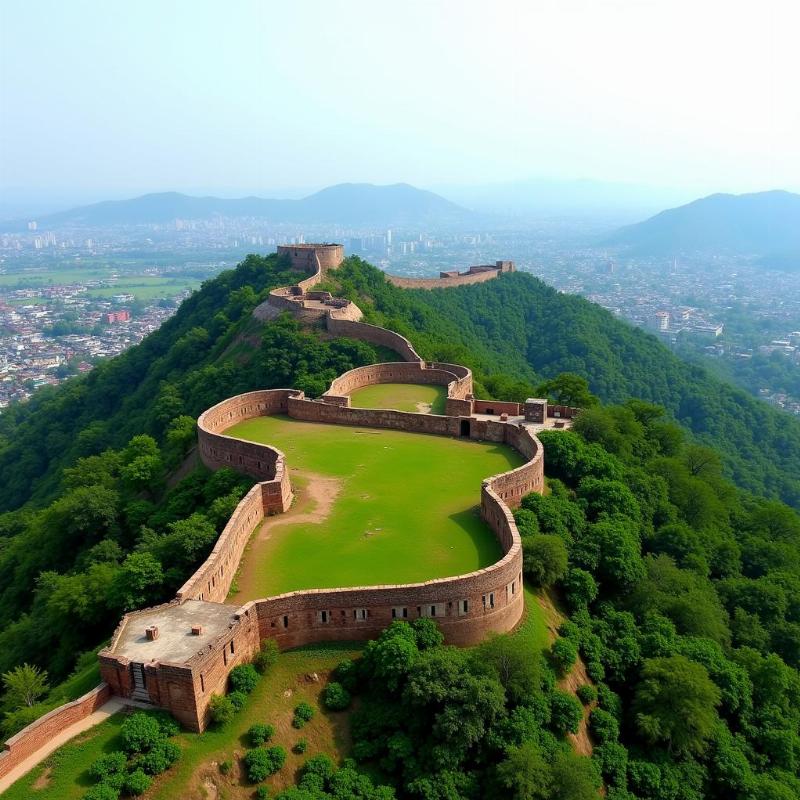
(446, 280)
(308, 257)
(374, 334)
(38, 733)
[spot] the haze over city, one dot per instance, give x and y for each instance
(103, 101)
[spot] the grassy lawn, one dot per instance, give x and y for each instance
(63, 774)
(391, 507)
(401, 397)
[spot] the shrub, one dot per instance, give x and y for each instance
(260, 733)
(243, 678)
(160, 758)
(563, 654)
(321, 765)
(109, 764)
(565, 712)
(221, 708)
(238, 699)
(347, 673)
(300, 746)
(604, 726)
(102, 792)
(335, 697)
(140, 733)
(262, 763)
(586, 693)
(267, 656)
(302, 714)
(137, 782)
(225, 766)
(262, 793)
(427, 633)
(168, 724)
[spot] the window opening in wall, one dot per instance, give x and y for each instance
(224, 656)
(464, 606)
(360, 613)
(286, 622)
(465, 426)
(231, 646)
(419, 611)
(491, 600)
(323, 615)
(202, 684)
(433, 611)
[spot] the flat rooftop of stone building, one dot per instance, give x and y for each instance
(175, 643)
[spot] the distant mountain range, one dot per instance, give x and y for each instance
(765, 224)
(343, 204)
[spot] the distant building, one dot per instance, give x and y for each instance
(117, 316)
(661, 320)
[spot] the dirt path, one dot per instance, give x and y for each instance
(114, 705)
(577, 676)
(313, 503)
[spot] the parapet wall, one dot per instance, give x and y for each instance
(477, 274)
(308, 257)
(458, 385)
(38, 733)
(374, 334)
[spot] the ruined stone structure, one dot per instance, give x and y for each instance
(178, 655)
(478, 274)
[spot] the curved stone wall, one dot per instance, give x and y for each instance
(374, 334)
(310, 256)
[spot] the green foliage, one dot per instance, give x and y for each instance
(138, 782)
(221, 708)
(267, 656)
(263, 762)
(102, 791)
(675, 702)
(238, 700)
(109, 764)
(544, 559)
(261, 793)
(563, 654)
(335, 697)
(225, 766)
(565, 713)
(303, 713)
(24, 685)
(586, 693)
(160, 758)
(300, 746)
(260, 733)
(243, 678)
(140, 733)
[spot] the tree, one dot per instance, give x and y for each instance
(563, 654)
(267, 657)
(243, 678)
(565, 712)
(675, 702)
(544, 559)
(512, 664)
(263, 762)
(574, 778)
(24, 685)
(140, 733)
(524, 774)
(335, 697)
(137, 580)
(568, 389)
(221, 708)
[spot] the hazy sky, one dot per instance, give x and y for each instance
(244, 96)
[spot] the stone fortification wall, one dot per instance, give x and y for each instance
(38, 733)
(374, 335)
(496, 407)
(307, 257)
(478, 274)
(400, 372)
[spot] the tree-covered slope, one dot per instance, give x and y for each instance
(519, 326)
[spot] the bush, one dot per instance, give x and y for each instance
(102, 792)
(140, 733)
(563, 654)
(262, 763)
(604, 726)
(109, 764)
(160, 758)
(586, 693)
(427, 633)
(168, 724)
(222, 709)
(335, 697)
(243, 678)
(302, 714)
(238, 699)
(565, 712)
(260, 733)
(137, 782)
(300, 746)
(267, 657)
(347, 673)
(321, 765)
(262, 793)
(225, 766)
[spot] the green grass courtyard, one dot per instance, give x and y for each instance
(373, 506)
(401, 397)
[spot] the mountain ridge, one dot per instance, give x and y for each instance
(343, 203)
(759, 223)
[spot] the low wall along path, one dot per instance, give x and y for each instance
(178, 655)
